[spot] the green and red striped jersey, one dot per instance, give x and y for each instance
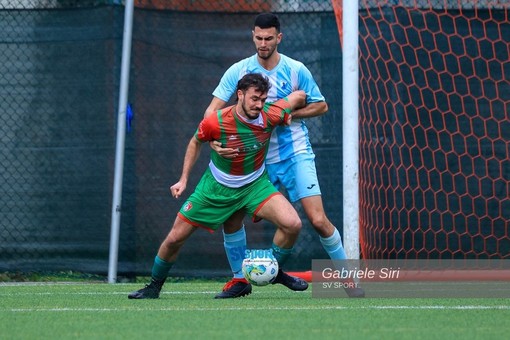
(250, 137)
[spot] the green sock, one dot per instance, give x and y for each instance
(160, 268)
(281, 254)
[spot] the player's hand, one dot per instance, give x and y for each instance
(227, 153)
(177, 189)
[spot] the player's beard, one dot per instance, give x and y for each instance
(266, 54)
(249, 113)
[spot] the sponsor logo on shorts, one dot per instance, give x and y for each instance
(311, 186)
(188, 206)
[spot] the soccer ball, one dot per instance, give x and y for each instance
(260, 270)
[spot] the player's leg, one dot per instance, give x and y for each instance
(234, 242)
(234, 239)
(216, 205)
(281, 213)
(304, 186)
(278, 210)
(328, 234)
(197, 211)
(164, 260)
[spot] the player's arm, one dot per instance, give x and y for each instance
(190, 158)
(293, 101)
(225, 89)
(297, 100)
(216, 104)
(316, 103)
(311, 110)
(228, 153)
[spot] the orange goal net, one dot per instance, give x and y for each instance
(434, 129)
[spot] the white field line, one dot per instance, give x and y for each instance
(224, 308)
(102, 293)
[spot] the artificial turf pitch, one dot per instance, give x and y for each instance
(187, 310)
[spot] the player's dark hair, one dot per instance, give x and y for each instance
(267, 20)
(256, 80)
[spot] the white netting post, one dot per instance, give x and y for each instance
(350, 120)
(121, 137)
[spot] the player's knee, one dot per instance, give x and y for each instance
(291, 226)
(295, 225)
(319, 221)
(170, 243)
(173, 241)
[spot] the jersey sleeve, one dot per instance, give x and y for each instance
(208, 129)
(228, 83)
(279, 112)
(308, 84)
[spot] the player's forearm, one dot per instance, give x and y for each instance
(209, 111)
(215, 104)
(311, 110)
(190, 158)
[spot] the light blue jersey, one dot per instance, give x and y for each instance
(288, 76)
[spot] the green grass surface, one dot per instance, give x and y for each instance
(187, 310)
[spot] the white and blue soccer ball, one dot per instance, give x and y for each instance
(260, 267)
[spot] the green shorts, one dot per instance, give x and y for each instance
(213, 203)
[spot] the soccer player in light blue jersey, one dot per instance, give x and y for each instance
(290, 159)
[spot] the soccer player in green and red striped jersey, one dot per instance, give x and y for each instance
(247, 133)
(290, 162)
(231, 188)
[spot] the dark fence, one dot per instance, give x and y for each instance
(59, 81)
(59, 95)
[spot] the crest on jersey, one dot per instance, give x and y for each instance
(187, 206)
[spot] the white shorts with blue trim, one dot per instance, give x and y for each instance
(297, 175)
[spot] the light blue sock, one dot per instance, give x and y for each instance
(281, 254)
(333, 246)
(235, 246)
(160, 268)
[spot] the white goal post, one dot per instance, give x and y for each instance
(350, 114)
